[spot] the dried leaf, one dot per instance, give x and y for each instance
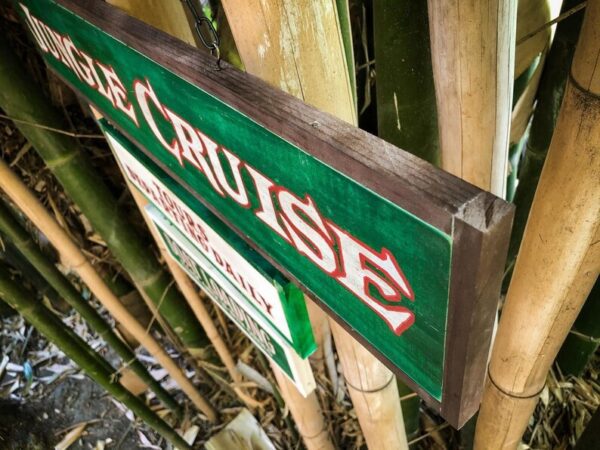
(70, 437)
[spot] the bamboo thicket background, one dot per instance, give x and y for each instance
(476, 91)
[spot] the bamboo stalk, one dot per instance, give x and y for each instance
(12, 256)
(559, 259)
(73, 256)
(374, 393)
(314, 432)
(531, 14)
(472, 46)
(167, 15)
(59, 282)
(548, 99)
(65, 158)
(584, 338)
(406, 108)
(55, 331)
(310, 63)
(190, 292)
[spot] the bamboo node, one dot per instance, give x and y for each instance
(314, 436)
(371, 391)
(56, 163)
(512, 394)
(579, 88)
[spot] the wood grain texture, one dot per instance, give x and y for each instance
(559, 258)
(472, 47)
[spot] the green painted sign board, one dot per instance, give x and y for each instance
(229, 299)
(270, 295)
(407, 257)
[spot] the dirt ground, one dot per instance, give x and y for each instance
(41, 424)
(38, 409)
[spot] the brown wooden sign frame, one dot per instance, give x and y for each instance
(478, 222)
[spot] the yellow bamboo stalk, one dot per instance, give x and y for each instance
(166, 15)
(559, 258)
(532, 14)
(314, 432)
(190, 292)
(297, 45)
(77, 262)
(472, 48)
(374, 393)
(321, 332)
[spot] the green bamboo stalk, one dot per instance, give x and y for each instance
(406, 105)
(23, 242)
(549, 98)
(410, 409)
(22, 99)
(343, 10)
(584, 338)
(13, 257)
(55, 331)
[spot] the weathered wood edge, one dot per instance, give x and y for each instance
(385, 169)
(478, 258)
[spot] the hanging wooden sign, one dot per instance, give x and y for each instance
(407, 257)
(270, 295)
(231, 300)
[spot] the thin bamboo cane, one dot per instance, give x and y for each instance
(559, 259)
(472, 46)
(66, 159)
(55, 331)
(374, 393)
(314, 433)
(310, 63)
(190, 292)
(77, 261)
(58, 281)
(406, 108)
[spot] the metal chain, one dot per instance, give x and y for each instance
(206, 31)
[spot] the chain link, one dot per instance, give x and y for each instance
(206, 31)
